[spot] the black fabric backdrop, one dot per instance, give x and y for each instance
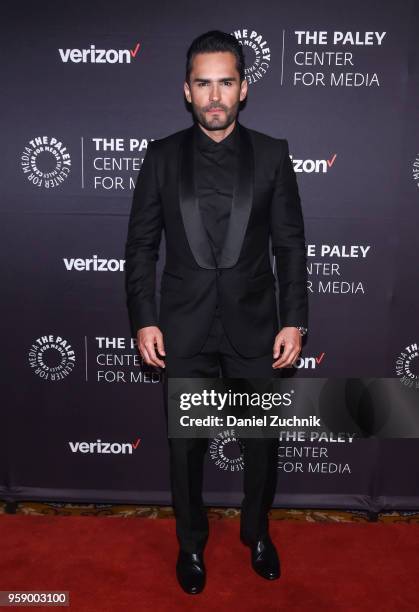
(86, 87)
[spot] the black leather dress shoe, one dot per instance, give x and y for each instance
(265, 560)
(190, 572)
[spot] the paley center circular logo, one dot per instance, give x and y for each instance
(257, 54)
(407, 365)
(52, 357)
(226, 450)
(45, 161)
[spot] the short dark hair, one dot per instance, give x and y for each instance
(213, 41)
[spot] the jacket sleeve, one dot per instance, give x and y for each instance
(142, 246)
(288, 244)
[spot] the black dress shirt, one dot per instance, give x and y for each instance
(215, 164)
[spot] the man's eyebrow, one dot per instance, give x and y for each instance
(198, 80)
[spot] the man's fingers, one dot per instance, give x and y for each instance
(148, 339)
(147, 355)
(280, 363)
(288, 357)
(277, 347)
(149, 345)
(285, 355)
(284, 364)
(160, 344)
(144, 354)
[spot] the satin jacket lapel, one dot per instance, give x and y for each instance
(189, 205)
(242, 201)
(240, 210)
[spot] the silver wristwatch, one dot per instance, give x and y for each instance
(302, 330)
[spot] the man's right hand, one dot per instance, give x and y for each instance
(147, 339)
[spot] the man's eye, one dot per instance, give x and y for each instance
(202, 84)
(227, 83)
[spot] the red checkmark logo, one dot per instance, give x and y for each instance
(331, 161)
(136, 443)
(135, 51)
(320, 358)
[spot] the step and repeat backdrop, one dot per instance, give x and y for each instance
(86, 87)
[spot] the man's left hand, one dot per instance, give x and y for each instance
(290, 339)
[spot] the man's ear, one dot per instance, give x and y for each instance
(243, 90)
(187, 91)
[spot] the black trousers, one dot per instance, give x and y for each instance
(218, 357)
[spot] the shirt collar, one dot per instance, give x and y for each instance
(206, 143)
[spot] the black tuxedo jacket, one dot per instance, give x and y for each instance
(265, 205)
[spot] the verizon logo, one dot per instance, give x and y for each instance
(94, 264)
(99, 56)
(309, 363)
(313, 165)
(104, 448)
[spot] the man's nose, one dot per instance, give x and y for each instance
(215, 92)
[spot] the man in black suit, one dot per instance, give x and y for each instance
(220, 192)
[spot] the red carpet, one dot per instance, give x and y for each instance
(120, 564)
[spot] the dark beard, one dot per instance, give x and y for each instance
(230, 116)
